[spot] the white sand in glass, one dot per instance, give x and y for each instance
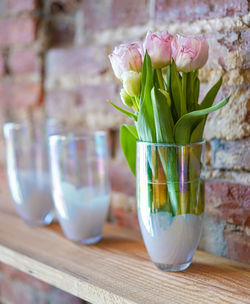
(31, 192)
(81, 211)
(171, 239)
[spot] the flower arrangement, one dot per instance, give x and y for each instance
(161, 85)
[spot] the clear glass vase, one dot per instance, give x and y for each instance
(80, 183)
(170, 201)
(28, 171)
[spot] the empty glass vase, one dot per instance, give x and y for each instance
(170, 201)
(28, 172)
(80, 182)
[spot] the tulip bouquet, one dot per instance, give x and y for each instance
(161, 85)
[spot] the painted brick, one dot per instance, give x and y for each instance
(229, 122)
(212, 236)
(83, 60)
(24, 62)
(21, 94)
(61, 31)
(238, 246)
(231, 154)
(114, 13)
(167, 11)
(13, 6)
(228, 201)
(17, 31)
(245, 48)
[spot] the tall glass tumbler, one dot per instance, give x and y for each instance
(28, 172)
(170, 201)
(80, 183)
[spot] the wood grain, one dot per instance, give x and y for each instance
(118, 269)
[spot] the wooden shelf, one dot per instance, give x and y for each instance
(118, 269)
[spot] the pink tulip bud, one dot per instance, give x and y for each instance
(158, 46)
(126, 57)
(189, 53)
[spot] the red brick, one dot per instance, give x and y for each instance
(82, 60)
(122, 179)
(21, 94)
(87, 105)
(125, 218)
(238, 246)
(229, 202)
(15, 293)
(62, 6)
(2, 65)
(167, 11)
(14, 6)
(17, 31)
(24, 62)
(61, 30)
(61, 297)
(231, 154)
(114, 13)
(17, 275)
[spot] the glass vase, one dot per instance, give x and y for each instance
(170, 201)
(80, 183)
(28, 171)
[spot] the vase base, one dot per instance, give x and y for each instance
(174, 267)
(89, 241)
(43, 222)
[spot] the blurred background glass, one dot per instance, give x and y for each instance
(80, 183)
(28, 171)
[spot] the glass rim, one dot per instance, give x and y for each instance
(77, 135)
(146, 143)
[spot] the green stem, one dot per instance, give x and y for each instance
(184, 91)
(160, 79)
(136, 104)
(191, 106)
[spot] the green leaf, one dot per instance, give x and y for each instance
(176, 90)
(129, 114)
(128, 137)
(210, 96)
(145, 120)
(186, 124)
(197, 133)
(163, 118)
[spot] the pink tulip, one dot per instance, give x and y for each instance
(158, 46)
(189, 53)
(126, 57)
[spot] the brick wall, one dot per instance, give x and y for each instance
(54, 66)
